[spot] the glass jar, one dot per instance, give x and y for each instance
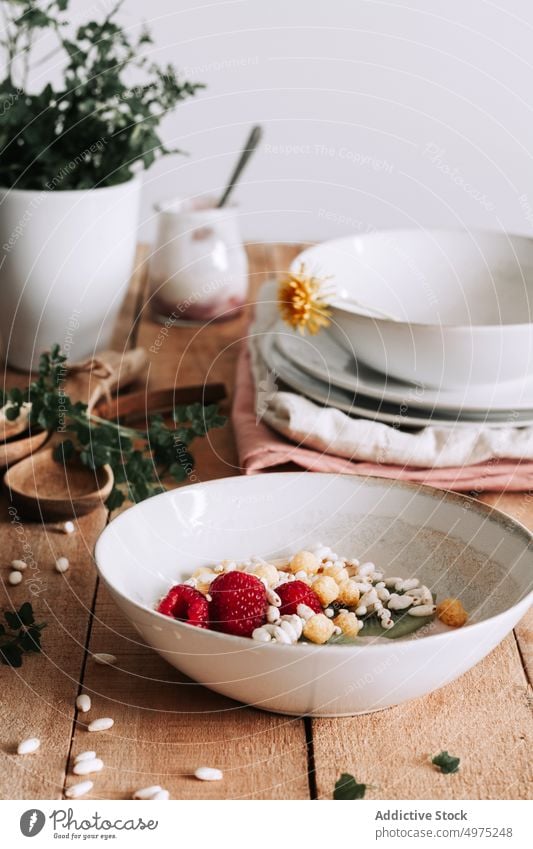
(198, 268)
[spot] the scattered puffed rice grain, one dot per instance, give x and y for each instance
(83, 703)
(422, 610)
(391, 582)
(68, 527)
(102, 724)
(84, 756)
(27, 747)
(399, 602)
(261, 635)
(281, 636)
(104, 659)
(162, 796)
(19, 565)
(273, 598)
(292, 624)
(14, 578)
(147, 792)
(409, 584)
(62, 564)
(207, 773)
(79, 789)
(85, 767)
(304, 612)
(272, 614)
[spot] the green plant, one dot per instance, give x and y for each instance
(101, 122)
(140, 459)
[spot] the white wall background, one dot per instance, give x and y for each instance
(377, 113)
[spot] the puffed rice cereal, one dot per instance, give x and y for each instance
(334, 598)
(304, 561)
(319, 629)
(326, 588)
(348, 622)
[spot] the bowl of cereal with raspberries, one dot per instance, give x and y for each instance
(327, 595)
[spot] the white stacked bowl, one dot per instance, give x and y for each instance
(460, 303)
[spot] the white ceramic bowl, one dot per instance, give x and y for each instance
(463, 303)
(454, 544)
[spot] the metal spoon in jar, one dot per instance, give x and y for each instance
(251, 143)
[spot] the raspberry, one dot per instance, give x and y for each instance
(238, 603)
(186, 604)
(294, 593)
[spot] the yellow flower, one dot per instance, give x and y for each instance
(301, 301)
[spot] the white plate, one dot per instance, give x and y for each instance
(371, 408)
(455, 545)
(324, 358)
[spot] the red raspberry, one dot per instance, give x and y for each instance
(239, 603)
(186, 604)
(294, 593)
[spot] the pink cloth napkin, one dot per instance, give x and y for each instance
(261, 448)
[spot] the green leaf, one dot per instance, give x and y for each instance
(25, 614)
(403, 626)
(30, 640)
(178, 472)
(64, 451)
(346, 787)
(115, 499)
(12, 412)
(11, 655)
(13, 620)
(446, 763)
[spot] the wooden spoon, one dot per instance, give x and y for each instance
(42, 488)
(141, 405)
(18, 448)
(11, 429)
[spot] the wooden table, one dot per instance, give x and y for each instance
(166, 726)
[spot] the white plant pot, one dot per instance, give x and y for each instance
(66, 260)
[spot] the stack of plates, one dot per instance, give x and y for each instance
(324, 371)
(427, 327)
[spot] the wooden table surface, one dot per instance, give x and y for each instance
(166, 725)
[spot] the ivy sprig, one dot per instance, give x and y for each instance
(347, 788)
(448, 764)
(22, 635)
(140, 459)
